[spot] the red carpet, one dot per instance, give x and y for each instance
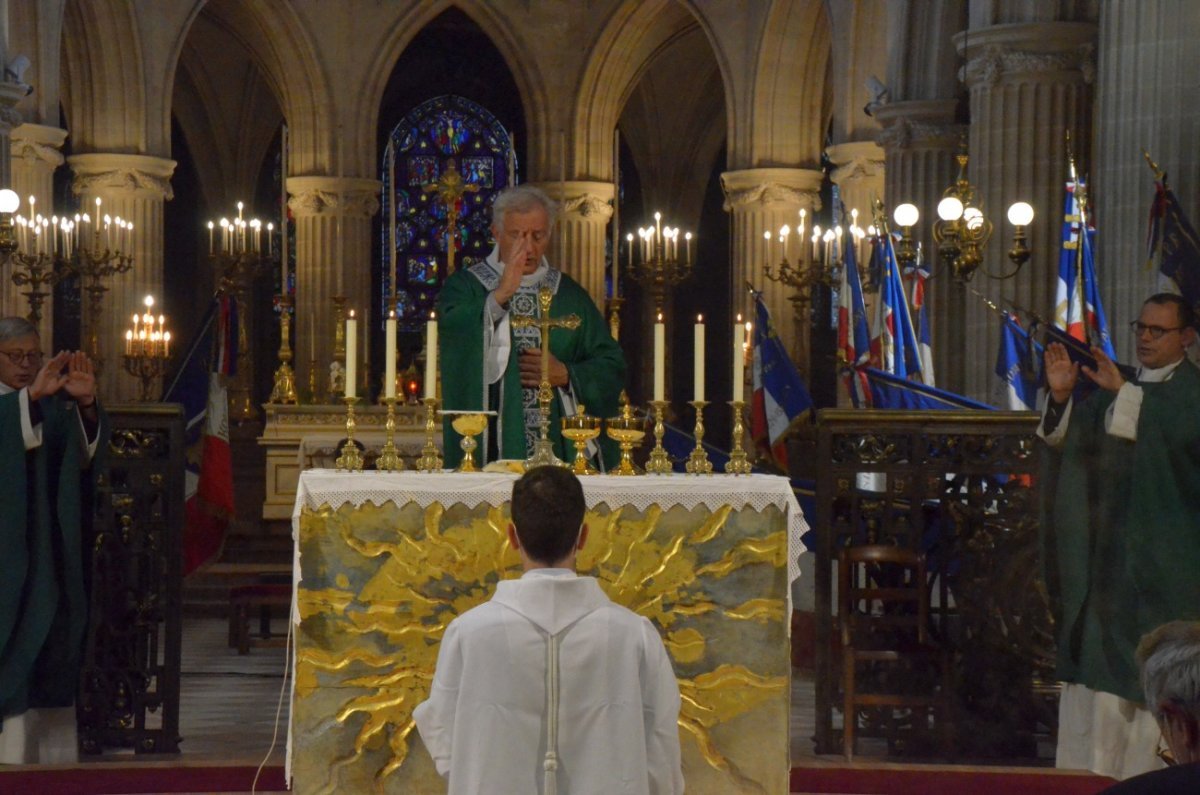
(944, 780)
(155, 777)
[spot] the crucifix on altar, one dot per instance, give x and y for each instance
(450, 187)
(543, 451)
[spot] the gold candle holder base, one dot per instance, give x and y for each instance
(349, 458)
(431, 458)
(738, 463)
(581, 429)
(284, 389)
(626, 430)
(698, 463)
(147, 368)
(659, 462)
(389, 457)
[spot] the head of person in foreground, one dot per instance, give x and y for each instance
(1169, 660)
(547, 526)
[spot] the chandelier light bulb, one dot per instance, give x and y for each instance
(906, 214)
(950, 208)
(974, 217)
(1020, 214)
(148, 301)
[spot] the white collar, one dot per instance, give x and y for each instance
(1155, 375)
(5, 389)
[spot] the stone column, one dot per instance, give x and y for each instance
(1029, 84)
(35, 156)
(858, 173)
(920, 140)
(134, 188)
(333, 257)
(582, 232)
(763, 200)
(1147, 97)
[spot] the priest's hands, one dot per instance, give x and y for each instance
(531, 369)
(513, 260)
(80, 381)
(1106, 375)
(50, 378)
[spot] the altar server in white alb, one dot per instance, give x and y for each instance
(550, 687)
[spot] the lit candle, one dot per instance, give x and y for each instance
(389, 361)
(767, 247)
(739, 364)
(698, 337)
(657, 227)
(784, 233)
(660, 367)
(431, 356)
(351, 355)
(166, 343)
(129, 342)
(210, 236)
(629, 261)
(687, 240)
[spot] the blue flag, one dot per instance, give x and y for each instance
(780, 396)
(892, 392)
(894, 346)
(1172, 236)
(1019, 365)
(1077, 306)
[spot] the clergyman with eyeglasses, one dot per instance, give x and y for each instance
(1122, 530)
(50, 429)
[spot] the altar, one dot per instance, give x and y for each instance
(384, 561)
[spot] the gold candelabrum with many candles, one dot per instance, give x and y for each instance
(98, 253)
(658, 264)
(816, 261)
(147, 350)
(237, 253)
(543, 451)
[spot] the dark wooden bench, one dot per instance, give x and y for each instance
(255, 589)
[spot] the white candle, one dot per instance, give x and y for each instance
(351, 355)
(431, 356)
(698, 338)
(660, 344)
(739, 364)
(389, 362)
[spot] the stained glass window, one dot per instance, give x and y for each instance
(451, 157)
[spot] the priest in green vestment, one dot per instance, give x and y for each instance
(488, 363)
(50, 429)
(1122, 528)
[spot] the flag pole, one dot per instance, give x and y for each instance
(1159, 174)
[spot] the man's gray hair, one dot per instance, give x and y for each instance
(12, 328)
(1169, 658)
(522, 199)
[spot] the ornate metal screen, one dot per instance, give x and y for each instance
(444, 163)
(961, 487)
(130, 683)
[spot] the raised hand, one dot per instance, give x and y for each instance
(50, 378)
(514, 266)
(1061, 372)
(1106, 375)
(80, 381)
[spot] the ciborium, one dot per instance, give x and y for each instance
(468, 424)
(627, 431)
(581, 429)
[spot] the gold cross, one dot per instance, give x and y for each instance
(450, 187)
(544, 323)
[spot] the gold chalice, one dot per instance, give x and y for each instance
(626, 430)
(468, 424)
(581, 429)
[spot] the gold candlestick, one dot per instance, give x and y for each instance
(349, 458)
(626, 430)
(738, 464)
(698, 463)
(431, 458)
(389, 457)
(284, 390)
(659, 462)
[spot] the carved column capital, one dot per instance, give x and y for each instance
(855, 160)
(321, 195)
(140, 175)
(1035, 51)
(39, 144)
(918, 124)
(768, 187)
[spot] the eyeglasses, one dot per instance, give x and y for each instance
(22, 357)
(1156, 332)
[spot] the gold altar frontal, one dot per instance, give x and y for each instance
(387, 560)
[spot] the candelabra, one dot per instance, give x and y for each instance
(659, 265)
(659, 463)
(36, 271)
(284, 390)
(349, 458)
(389, 456)
(236, 270)
(147, 351)
(962, 230)
(804, 278)
(698, 463)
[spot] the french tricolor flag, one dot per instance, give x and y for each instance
(854, 339)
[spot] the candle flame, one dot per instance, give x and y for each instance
(699, 318)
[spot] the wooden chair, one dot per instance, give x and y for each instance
(883, 613)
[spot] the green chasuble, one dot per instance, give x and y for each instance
(594, 361)
(1122, 534)
(43, 600)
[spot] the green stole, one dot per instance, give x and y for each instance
(43, 601)
(594, 361)
(1122, 533)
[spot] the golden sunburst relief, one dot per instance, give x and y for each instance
(374, 603)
